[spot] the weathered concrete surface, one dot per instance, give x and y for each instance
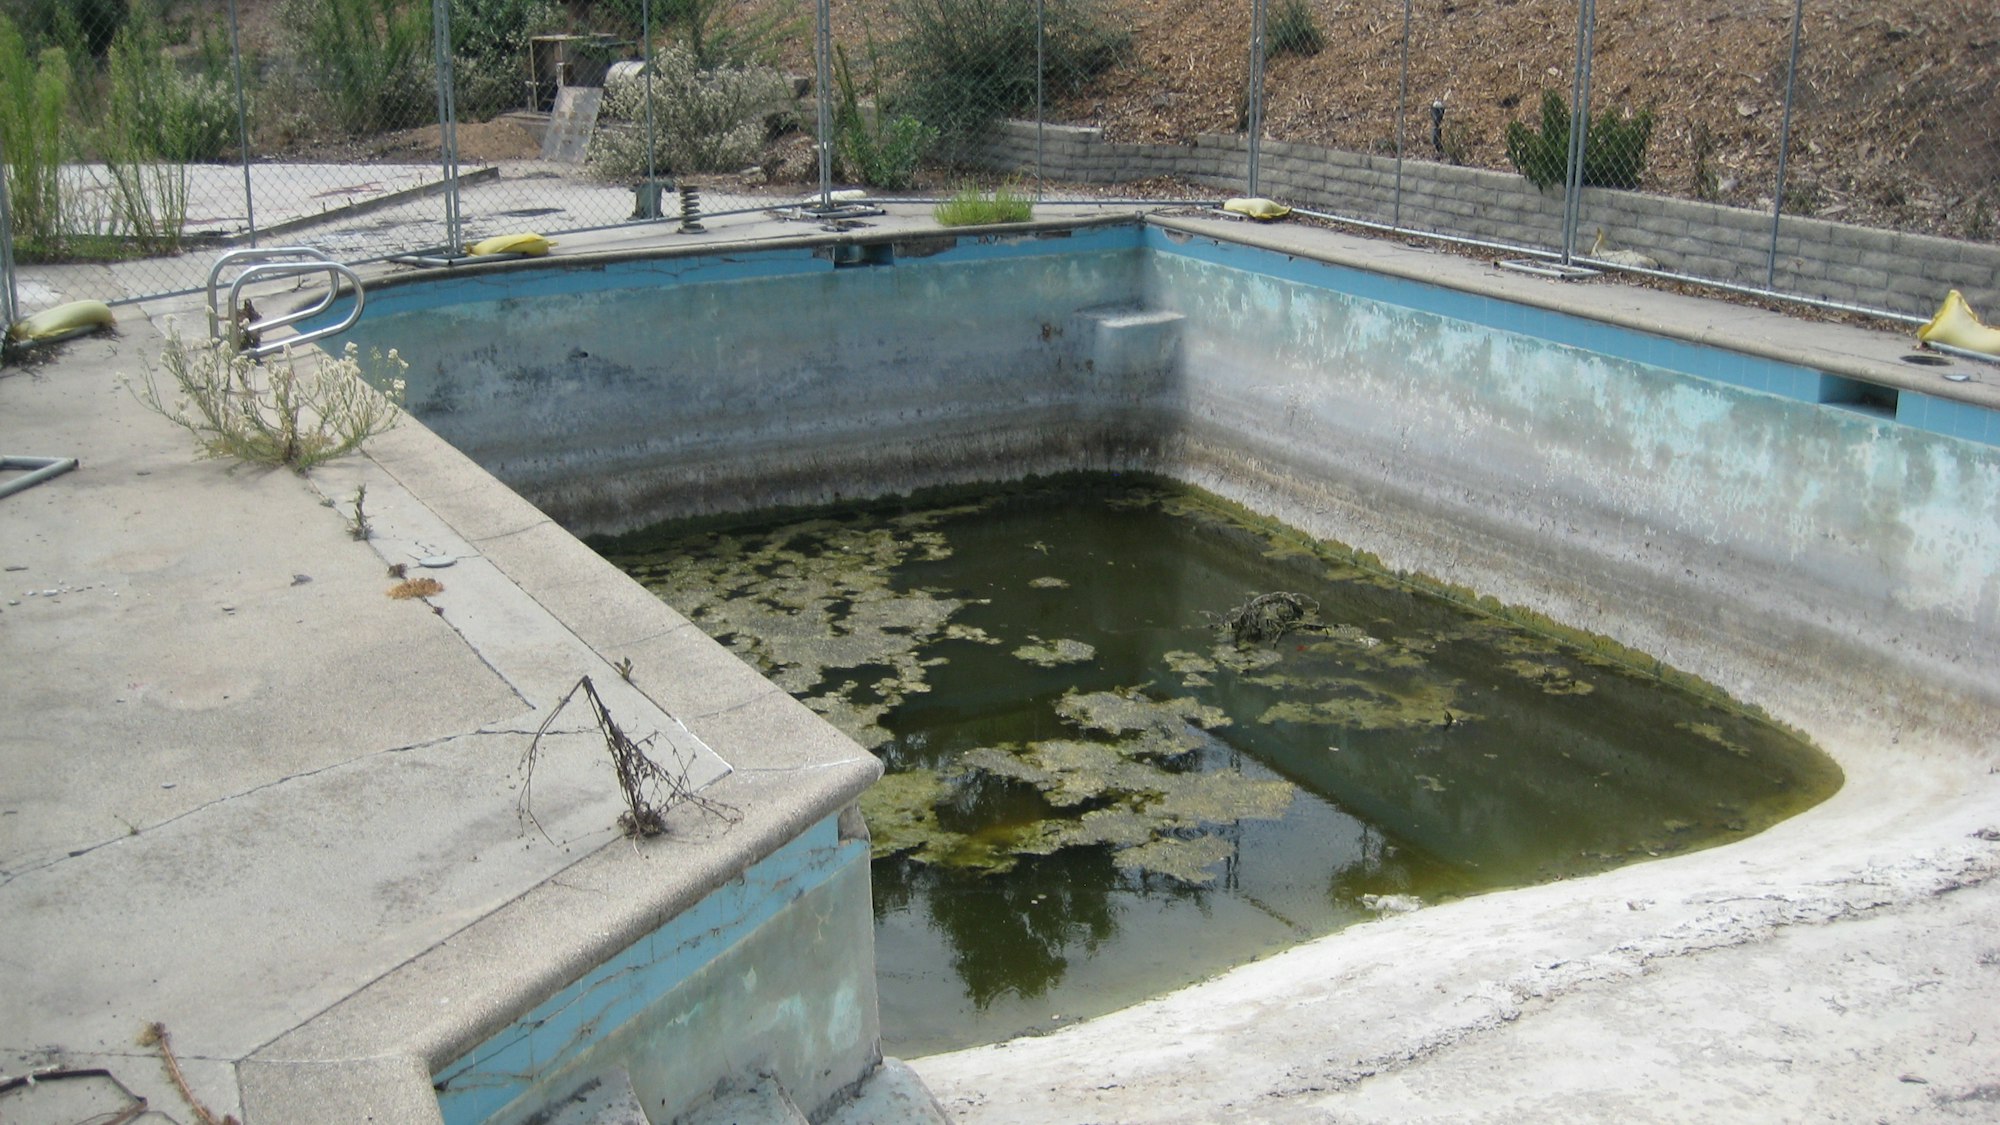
(246, 794)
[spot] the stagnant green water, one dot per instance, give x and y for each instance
(1096, 794)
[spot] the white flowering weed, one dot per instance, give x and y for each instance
(298, 411)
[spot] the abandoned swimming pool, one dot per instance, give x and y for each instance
(1743, 517)
(1109, 776)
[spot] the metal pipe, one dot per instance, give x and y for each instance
(241, 257)
(646, 74)
(270, 271)
(1963, 353)
(1402, 106)
(447, 124)
(823, 79)
(1784, 145)
(1255, 114)
(242, 123)
(1040, 172)
(1579, 126)
(43, 468)
(13, 296)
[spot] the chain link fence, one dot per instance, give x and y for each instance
(1826, 149)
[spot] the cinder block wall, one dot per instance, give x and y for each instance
(1906, 273)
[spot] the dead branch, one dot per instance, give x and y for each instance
(155, 1035)
(651, 790)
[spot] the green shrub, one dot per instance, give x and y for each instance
(489, 43)
(154, 110)
(967, 62)
(34, 108)
(703, 120)
(81, 26)
(882, 152)
(1614, 148)
(369, 61)
(489, 30)
(1293, 30)
(721, 34)
(968, 207)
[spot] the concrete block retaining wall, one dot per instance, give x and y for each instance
(1899, 272)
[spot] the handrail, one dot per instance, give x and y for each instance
(271, 264)
(245, 255)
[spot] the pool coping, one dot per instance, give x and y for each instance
(799, 773)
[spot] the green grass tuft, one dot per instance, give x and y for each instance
(968, 207)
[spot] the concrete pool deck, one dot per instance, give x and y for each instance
(252, 798)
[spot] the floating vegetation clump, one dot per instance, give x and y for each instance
(1048, 654)
(1268, 618)
(1099, 785)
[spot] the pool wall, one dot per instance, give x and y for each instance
(1753, 520)
(617, 396)
(1708, 507)
(772, 974)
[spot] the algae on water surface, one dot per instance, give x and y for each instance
(1095, 793)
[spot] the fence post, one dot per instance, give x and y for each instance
(823, 84)
(1784, 147)
(1579, 126)
(447, 125)
(1255, 115)
(242, 123)
(1040, 113)
(1402, 108)
(12, 297)
(652, 128)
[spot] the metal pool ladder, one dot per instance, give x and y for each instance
(235, 322)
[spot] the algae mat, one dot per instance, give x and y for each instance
(1103, 785)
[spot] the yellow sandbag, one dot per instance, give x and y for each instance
(77, 316)
(1263, 210)
(1957, 326)
(533, 245)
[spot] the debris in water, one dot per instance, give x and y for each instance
(1392, 904)
(1048, 654)
(1267, 618)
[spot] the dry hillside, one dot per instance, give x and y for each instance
(1895, 119)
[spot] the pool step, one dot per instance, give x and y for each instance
(763, 1102)
(891, 1095)
(1120, 341)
